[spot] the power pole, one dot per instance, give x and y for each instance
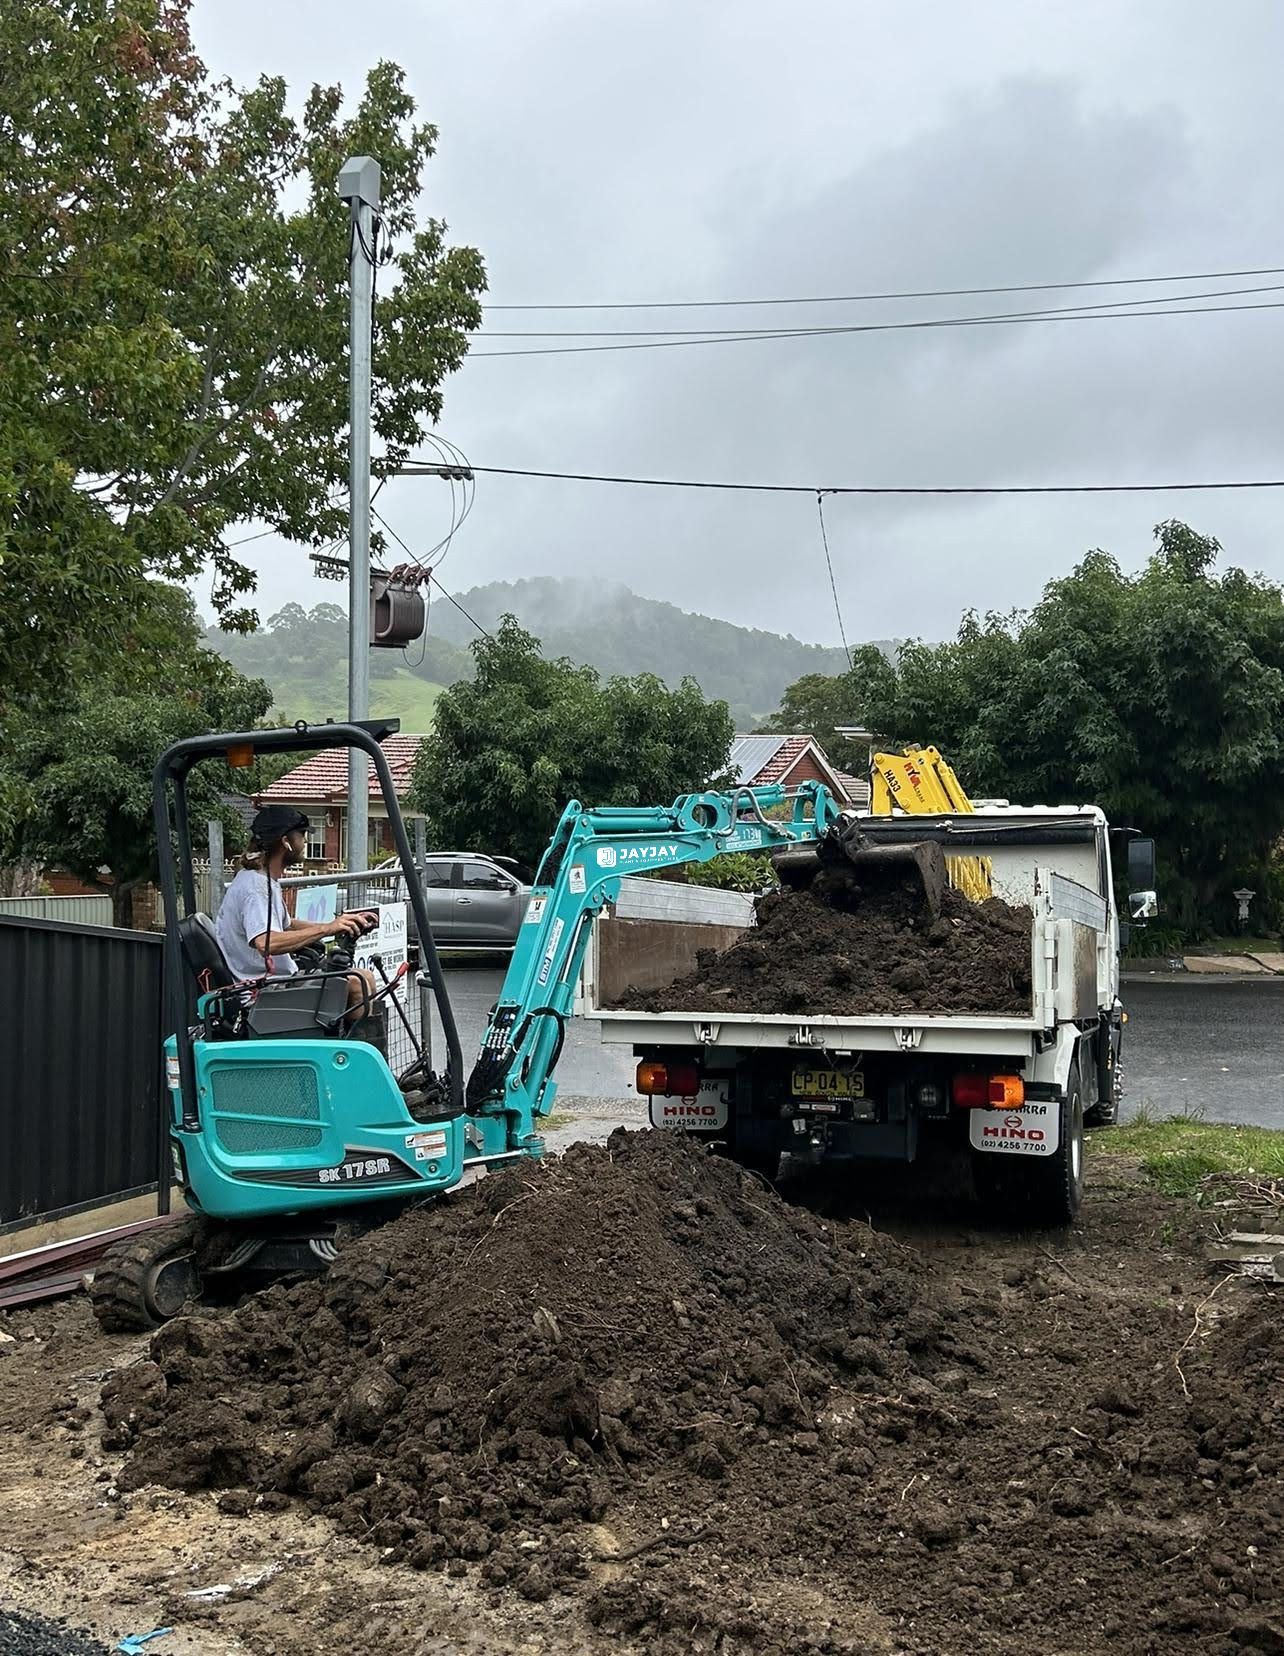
(359, 183)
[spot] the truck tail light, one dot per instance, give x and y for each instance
(1007, 1092)
(668, 1080)
(970, 1092)
(987, 1092)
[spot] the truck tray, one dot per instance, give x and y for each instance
(1006, 1034)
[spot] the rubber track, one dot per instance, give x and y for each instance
(118, 1290)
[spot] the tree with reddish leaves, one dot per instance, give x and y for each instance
(173, 317)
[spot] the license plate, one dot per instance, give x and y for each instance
(827, 1083)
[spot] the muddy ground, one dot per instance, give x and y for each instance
(839, 1426)
(838, 949)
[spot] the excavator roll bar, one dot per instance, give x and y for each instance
(174, 853)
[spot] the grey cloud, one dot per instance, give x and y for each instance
(651, 147)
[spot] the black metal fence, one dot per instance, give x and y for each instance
(80, 1068)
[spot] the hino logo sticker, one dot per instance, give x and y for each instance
(1032, 1130)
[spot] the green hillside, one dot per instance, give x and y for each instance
(303, 655)
(612, 629)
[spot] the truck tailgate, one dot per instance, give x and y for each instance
(1009, 1034)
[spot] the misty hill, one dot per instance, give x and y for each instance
(303, 654)
(614, 630)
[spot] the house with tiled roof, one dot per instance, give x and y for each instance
(319, 787)
(757, 760)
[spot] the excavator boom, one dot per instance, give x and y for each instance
(589, 854)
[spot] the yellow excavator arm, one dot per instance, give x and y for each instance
(919, 782)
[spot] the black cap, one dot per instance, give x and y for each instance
(274, 822)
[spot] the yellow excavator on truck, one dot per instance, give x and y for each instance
(919, 781)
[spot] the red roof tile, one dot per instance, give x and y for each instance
(789, 752)
(855, 787)
(323, 779)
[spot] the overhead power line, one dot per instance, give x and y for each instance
(450, 599)
(833, 584)
(1022, 319)
(412, 470)
(905, 293)
(839, 327)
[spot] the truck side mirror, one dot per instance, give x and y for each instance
(1141, 865)
(1143, 901)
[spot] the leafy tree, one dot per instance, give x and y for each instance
(84, 770)
(173, 316)
(819, 704)
(1158, 695)
(528, 734)
(738, 871)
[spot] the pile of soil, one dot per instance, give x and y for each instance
(639, 1380)
(834, 948)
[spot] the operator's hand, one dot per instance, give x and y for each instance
(356, 924)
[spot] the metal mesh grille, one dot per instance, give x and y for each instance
(286, 1090)
(244, 1138)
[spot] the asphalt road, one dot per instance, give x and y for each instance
(1210, 1046)
(1213, 1047)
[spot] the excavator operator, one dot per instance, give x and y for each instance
(258, 935)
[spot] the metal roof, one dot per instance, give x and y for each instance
(750, 753)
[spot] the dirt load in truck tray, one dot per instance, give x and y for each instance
(827, 950)
(636, 1382)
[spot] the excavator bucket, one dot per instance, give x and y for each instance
(874, 869)
(797, 867)
(882, 868)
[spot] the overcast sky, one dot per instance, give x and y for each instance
(682, 149)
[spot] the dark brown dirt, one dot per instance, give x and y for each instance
(719, 1422)
(835, 949)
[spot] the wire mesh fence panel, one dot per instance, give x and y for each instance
(382, 952)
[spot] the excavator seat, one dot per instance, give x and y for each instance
(203, 952)
(306, 1003)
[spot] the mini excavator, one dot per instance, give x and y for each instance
(288, 1129)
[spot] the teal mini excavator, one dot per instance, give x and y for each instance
(287, 1127)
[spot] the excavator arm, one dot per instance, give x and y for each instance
(921, 783)
(916, 780)
(588, 856)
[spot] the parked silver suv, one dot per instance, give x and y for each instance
(473, 901)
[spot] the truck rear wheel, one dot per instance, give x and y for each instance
(1042, 1192)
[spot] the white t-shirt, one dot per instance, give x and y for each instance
(244, 916)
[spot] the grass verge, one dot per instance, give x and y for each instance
(1178, 1152)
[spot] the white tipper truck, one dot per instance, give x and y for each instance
(1014, 1090)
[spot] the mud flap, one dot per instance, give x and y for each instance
(1032, 1130)
(707, 1112)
